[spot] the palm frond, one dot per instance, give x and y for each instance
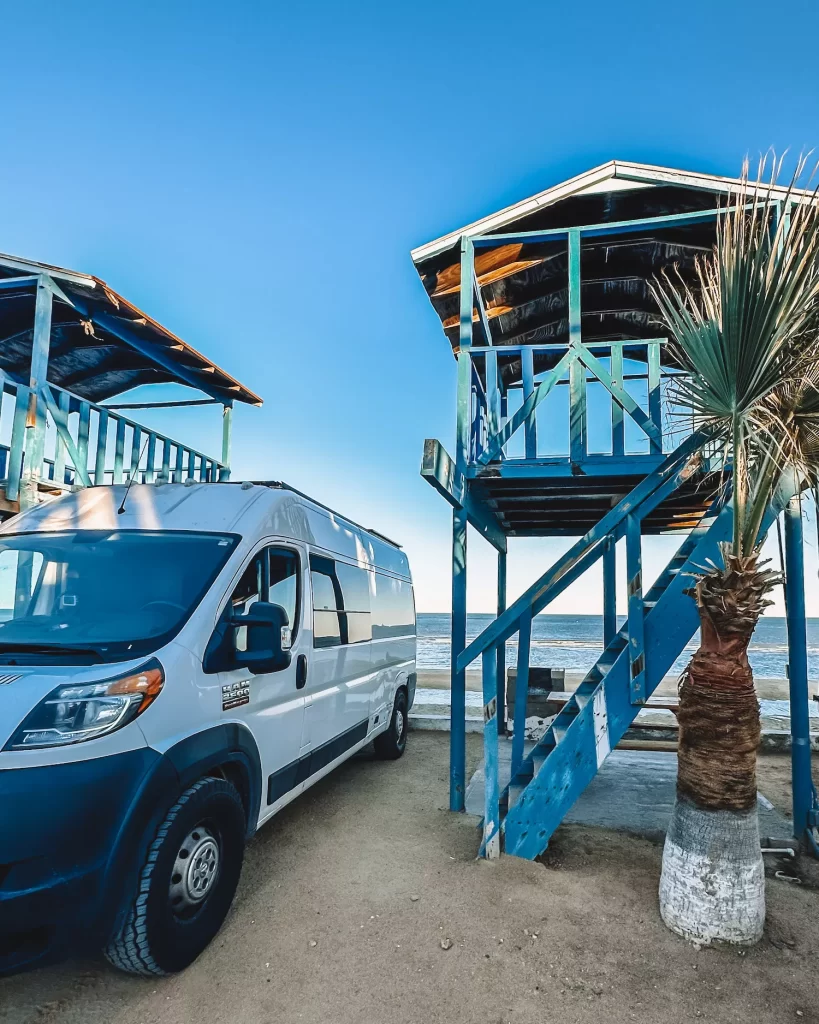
(747, 333)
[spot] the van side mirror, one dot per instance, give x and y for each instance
(267, 626)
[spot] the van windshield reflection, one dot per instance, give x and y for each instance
(121, 592)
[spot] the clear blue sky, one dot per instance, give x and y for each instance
(254, 175)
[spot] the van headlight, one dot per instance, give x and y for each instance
(82, 711)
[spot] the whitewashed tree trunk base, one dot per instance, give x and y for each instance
(712, 886)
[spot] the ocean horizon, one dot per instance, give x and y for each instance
(575, 642)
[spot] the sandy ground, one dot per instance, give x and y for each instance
(575, 939)
(766, 688)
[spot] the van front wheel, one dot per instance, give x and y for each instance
(390, 745)
(187, 884)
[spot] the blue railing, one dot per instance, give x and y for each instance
(88, 444)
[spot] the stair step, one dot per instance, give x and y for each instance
(537, 762)
(515, 791)
(583, 699)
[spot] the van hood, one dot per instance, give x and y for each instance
(22, 687)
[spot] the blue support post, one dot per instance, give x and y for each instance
(227, 429)
(521, 688)
(501, 666)
(527, 363)
(618, 430)
(491, 811)
(577, 373)
(802, 783)
(636, 641)
(457, 746)
(609, 592)
(457, 697)
(36, 418)
(654, 404)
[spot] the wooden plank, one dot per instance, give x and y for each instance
(621, 396)
(457, 740)
(18, 434)
(464, 398)
(119, 450)
(36, 421)
(180, 464)
(227, 431)
(61, 424)
(527, 361)
(64, 403)
(654, 403)
(439, 470)
(521, 688)
(578, 426)
(150, 462)
(165, 472)
(102, 447)
(495, 444)
(490, 846)
(636, 639)
(490, 265)
(136, 446)
(618, 429)
(83, 431)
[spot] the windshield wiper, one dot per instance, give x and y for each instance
(7, 647)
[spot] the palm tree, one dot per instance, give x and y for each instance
(747, 333)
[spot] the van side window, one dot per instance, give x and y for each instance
(283, 587)
(341, 602)
(272, 575)
(247, 591)
(393, 609)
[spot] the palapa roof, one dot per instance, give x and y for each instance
(101, 344)
(524, 286)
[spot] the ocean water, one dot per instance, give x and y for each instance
(575, 642)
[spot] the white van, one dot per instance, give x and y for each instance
(176, 664)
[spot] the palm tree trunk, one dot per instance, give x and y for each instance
(712, 886)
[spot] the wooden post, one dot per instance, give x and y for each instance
(577, 374)
(227, 429)
(501, 665)
(36, 416)
(636, 645)
(609, 592)
(527, 362)
(457, 699)
(618, 431)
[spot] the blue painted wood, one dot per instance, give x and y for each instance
(439, 470)
(457, 741)
(527, 362)
(136, 453)
(102, 447)
(495, 444)
(618, 435)
(179, 472)
(191, 464)
(501, 658)
(603, 720)
(578, 425)
(492, 393)
(83, 431)
(36, 420)
(609, 591)
(64, 402)
(654, 397)
(18, 433)
(561, 467)
(586, 550)
(119, 451)
(165, 472)
(227, 432)
(483, 319)
(27, 281)
(801, 780)
(621, 227)
(150, 462)
(490, 845)
(623, 398)
(61, 423)
(463, 411)
(634, 576)
(521, 689)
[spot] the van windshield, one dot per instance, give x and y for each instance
(102, 594)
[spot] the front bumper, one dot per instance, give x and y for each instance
(69, 839)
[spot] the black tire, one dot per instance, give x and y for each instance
(164, 931)
(390, 745)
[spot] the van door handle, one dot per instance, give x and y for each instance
(301, 671)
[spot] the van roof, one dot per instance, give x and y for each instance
(213, 507)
